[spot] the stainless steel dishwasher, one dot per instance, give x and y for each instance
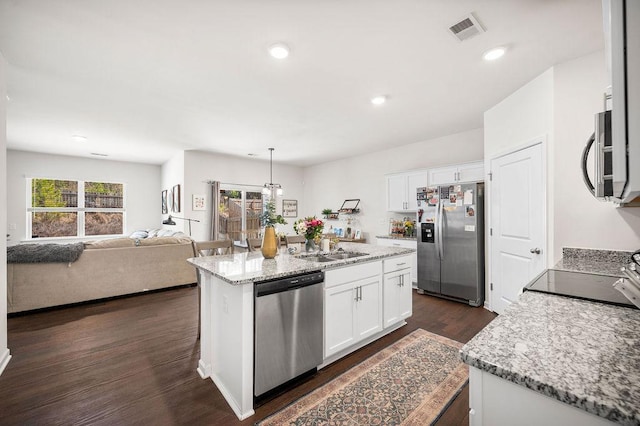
(288, 329)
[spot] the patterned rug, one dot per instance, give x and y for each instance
(410, 382)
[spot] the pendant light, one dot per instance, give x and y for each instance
(271, 189)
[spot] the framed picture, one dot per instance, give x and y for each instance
(357, 234)
(198, 202)
(175, 205)
(165, 206)
(289, 208)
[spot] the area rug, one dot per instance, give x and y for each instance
(410, 382)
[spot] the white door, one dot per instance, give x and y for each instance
(517, 208)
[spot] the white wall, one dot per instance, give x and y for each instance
(200, 167)
(4, 351)
(581, 220)
(328, 185)
(561, 103)
(524, 116)
(173, 174)
(142, 185)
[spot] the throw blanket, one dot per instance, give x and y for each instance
(44, 253)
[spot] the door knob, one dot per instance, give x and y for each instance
(535, 250)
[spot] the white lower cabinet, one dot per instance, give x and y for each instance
(495, 401)
(397, 296)
(396, 290)
(352, 305)
(404, 243)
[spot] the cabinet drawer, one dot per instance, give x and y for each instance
(333, 277)
(397, 263)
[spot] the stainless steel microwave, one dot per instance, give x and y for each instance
(616, 140)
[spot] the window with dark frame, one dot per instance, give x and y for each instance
(69, 208)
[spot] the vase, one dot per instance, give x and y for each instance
(269, 243)
(309, 245)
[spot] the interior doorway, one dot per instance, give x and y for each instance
(517, 210)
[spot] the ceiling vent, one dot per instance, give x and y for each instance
(466, 28)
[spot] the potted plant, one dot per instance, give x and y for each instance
(269, 219)
(326, 213)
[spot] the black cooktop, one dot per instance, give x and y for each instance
(579, 285)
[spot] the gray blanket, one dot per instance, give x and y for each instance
(44, 253)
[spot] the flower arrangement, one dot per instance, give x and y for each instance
(310, 227)
(408, 228)
(269, 218)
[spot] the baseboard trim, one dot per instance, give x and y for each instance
(4, 359)
(231, 400)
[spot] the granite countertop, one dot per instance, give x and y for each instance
(243, 268)
(582, 353)
(391, 237)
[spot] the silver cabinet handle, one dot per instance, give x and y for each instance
(535, 250)
(400, 264)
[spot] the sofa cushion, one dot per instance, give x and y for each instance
(110, 243)
(139, 234)
(165, 240)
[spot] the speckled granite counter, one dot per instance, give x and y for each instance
(243, 268)
(603, 262)
(391, 237)
(582, 353)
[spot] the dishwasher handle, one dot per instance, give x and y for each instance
(279, 285)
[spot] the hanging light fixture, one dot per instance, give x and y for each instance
(271, 189)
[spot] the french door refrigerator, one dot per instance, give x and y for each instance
(451, 242)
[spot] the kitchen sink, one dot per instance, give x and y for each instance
(320, 258)
(329, 257)
(345, 255)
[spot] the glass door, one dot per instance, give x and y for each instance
(239, 213)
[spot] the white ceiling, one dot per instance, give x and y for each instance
(143, 79)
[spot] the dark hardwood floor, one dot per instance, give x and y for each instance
(133, 361)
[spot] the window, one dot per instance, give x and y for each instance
(69, 208)
(239, 214)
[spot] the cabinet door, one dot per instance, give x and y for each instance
(368, 310)
(339, 307)
(442, 175)
(405, 301)
(397, 297)
(472, 172)
(391, 297)
(396, 193)
(414, 180)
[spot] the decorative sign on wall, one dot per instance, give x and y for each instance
(289, 208)
(165, 206)
(175, 207)
(198, 202)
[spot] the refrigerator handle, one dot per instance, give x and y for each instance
(440, 219)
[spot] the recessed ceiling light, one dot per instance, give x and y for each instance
(493, 54)
(79, 138)
(8, 98)
(279, 50)
(379, 100)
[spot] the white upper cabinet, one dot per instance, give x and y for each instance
(468, 172)
(401, 190)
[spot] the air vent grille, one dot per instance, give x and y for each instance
(466, 28)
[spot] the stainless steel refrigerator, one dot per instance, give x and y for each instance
(451, 242)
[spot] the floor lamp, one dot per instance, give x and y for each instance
(170, 221)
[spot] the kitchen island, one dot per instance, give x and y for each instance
(555, 360)
(376, 278)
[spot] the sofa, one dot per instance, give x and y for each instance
(105, 268)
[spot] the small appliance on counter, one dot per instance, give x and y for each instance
(630, 286)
